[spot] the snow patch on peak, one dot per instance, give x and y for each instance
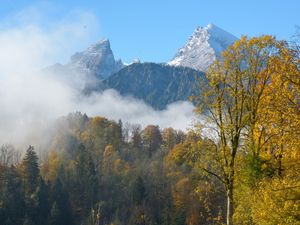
(135, 60)
(204, 46)
(104, 40)
(103, 43)
(97, 60)
(209, 26)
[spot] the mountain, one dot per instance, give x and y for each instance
(95, 63)
(203, 47)
(156, 84)
(96, 69)
(97, 60)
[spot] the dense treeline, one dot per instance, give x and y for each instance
(239, 167)
(99, 172)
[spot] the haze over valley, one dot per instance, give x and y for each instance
(149, 112)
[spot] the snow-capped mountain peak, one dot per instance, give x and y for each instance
(100, 46)
(203, 47)
(98, 60)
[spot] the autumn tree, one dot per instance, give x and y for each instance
(231, 101)
(169, 138)
(275, 198)
(197, 199)
(152, 139)
(109, 156)
(136, 138)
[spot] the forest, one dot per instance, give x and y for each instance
(239, 164)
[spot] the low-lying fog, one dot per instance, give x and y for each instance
(31, 101)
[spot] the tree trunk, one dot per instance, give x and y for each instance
(229, 214)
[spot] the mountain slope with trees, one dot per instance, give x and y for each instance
(239, 167)
(157, 84)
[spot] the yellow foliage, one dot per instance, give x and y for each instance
(272, 201)
(50, 168)
(277, 202)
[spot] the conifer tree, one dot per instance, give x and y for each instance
(31, 170)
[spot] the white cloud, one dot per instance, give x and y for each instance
(30, 100)
(112, 105)
(35, 37)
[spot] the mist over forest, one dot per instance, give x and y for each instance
(210, 137)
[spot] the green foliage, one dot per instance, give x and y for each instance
(12, 202)
(85, 179)
(60, 213)
(138, 190)
(151, 138)
(100, 172)
(30, 170)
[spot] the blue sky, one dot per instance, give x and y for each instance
(154, 30)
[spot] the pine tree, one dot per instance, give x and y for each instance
(138, 190)
(42, 195)
(86, 180)
(12, 203)
(61, 213)
(31, 170)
